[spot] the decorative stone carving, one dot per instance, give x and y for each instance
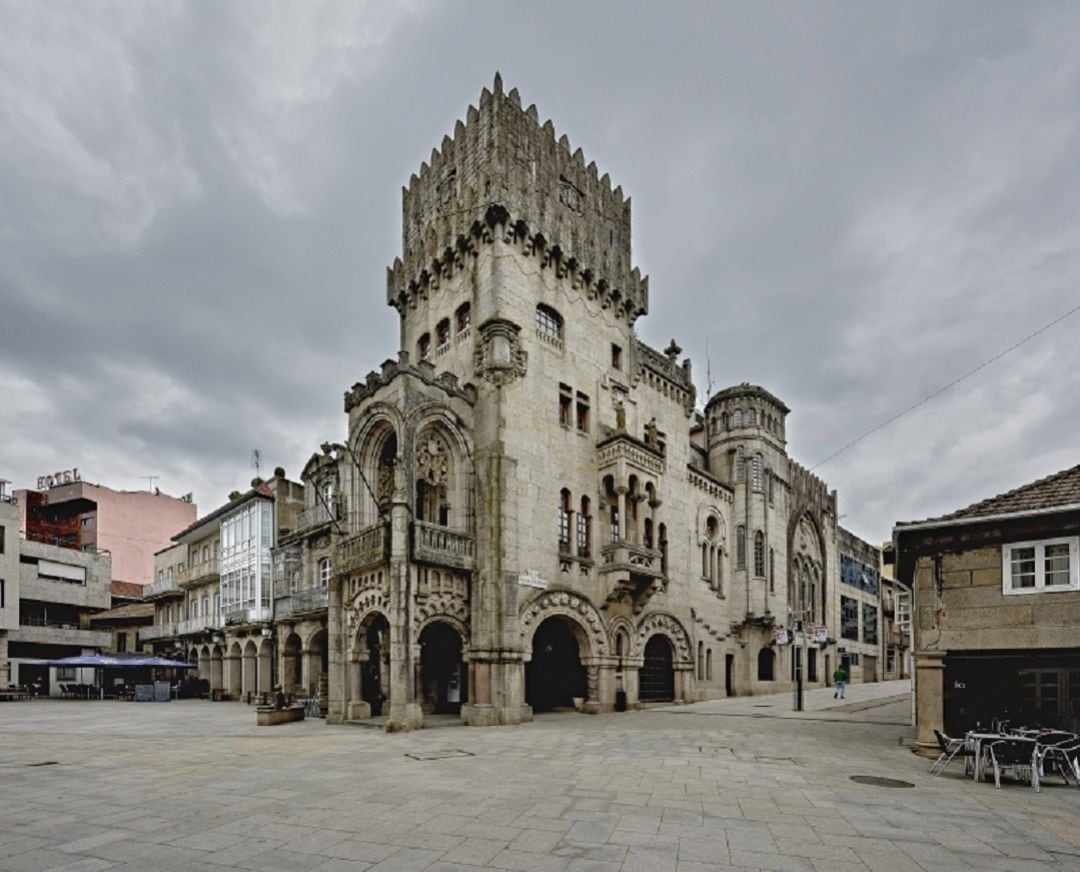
(499, 357)
(666, 625)
(433, 461)
(577, 608)
(443, 605)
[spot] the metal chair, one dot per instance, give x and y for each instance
(1062, 752)
(950, 750)
(1017, 755)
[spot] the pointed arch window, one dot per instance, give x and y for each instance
(423, 347)
(442, 332)
(463, 317)
(759, 554)
(740, 546)
(758, 472)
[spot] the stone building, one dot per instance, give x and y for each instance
(527, 510)
(997, 609)
(213, 592)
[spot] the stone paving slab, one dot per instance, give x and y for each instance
(723, 785)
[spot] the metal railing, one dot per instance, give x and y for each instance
(369, 547)
(442, 545)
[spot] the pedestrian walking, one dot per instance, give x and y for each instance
(840, 677)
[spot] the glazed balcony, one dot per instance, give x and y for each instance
(443, 546)
(314, 599)
(370, 547)
(233, 617)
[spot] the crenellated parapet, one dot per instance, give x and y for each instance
(391, 369)
(811, 491)
(503, 174)
(662, 373)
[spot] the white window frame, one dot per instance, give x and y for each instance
(325, 571)
(1040, 566)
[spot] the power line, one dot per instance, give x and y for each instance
(942, 390)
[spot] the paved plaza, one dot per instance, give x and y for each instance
(741, 783)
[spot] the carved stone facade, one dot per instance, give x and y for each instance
(532, 513)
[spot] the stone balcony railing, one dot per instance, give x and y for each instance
(317, 515)
(163, 587)
(443, 546)
(194, 626)
(370, 547)
(208, 570)
(158, 631)
(629, 557)
(300, 602)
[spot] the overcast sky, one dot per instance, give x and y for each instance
(853, 204)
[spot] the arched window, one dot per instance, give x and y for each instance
(759, 554)
(736, 419)
(648, 543)
(423, 347)
(758, 473)
(708, 665)
(723, 421)
(740, 464)
(442, 333)
(463, 317)
(549, 323)
(751, 418)
(740, 547)
(662, 534)
(324, 572)
(584, 530)
(564, 521)
(765, 663)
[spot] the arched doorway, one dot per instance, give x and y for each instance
(442, 672)
(554, 676)
(374, 679)
(291, 665)
(765, 665)
(657, 675)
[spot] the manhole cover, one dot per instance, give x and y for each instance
(878, 781)
(438, 755)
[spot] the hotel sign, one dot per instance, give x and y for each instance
(65, 476)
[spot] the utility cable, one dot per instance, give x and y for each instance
(942, 390)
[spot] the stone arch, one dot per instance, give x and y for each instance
(440, 464)
(804, 530)
(369, 444)
(449, 609)
(292, 674)
(705, 511)
(666, 625)
(622, 627)
(584, 621)
(365, 607)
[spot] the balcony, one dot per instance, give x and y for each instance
(158, 631)
(314, 599)
(637, 572)
(59, 634)
(370, 547)
(443, 546)
(208, 570)
(163, 588)
(246, 616)
(195, 626)
(318, 515)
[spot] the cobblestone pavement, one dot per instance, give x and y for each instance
(194, 785)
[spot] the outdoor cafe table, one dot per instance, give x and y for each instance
(977, 740)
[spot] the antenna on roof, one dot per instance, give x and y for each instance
(708, 371)
(150, 479)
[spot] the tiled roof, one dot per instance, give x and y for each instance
(131, 610)
(1060, 489)
(127, 589)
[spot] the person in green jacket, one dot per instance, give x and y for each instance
(840, 677)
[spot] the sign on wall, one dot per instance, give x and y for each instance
(532, 579)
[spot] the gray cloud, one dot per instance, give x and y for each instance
(851, 205)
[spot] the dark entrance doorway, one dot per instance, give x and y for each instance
(555, 675)
(442, 672)
(372, 681)
(729, 674)
(657, 677)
